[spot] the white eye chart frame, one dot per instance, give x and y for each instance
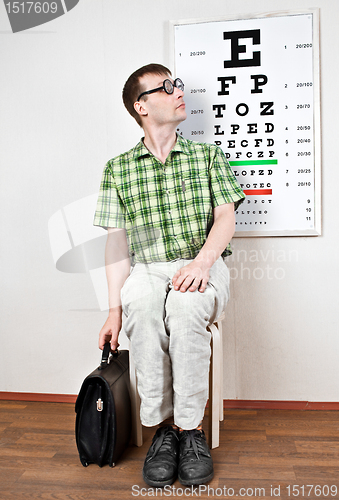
(252, 86)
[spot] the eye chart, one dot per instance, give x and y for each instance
(252, 88)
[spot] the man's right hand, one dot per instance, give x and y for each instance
(110, 331)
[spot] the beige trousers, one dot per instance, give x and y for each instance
(170, 342)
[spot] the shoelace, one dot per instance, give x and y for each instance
(194, 440)
(164, 442)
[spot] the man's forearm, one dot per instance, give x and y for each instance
(116, 276)
(219, 236)
(195, 275)
(117, 267)
(117, 270)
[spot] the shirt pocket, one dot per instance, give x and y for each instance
(195, 192)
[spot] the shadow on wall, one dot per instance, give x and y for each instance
(79, 247)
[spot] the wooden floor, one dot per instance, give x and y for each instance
(262, 453)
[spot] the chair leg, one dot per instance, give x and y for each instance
(214, 388)
(135, 404)
(221, 393)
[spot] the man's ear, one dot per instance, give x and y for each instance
(140, 109)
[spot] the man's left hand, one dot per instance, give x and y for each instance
(191, 277)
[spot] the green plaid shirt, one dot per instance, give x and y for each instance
(166, 209)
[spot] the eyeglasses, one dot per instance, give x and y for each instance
(167, 86)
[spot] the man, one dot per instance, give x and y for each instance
(168, 205)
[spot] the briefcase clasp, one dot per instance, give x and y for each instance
(100, 405)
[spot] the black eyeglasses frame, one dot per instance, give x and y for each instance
(169, 90)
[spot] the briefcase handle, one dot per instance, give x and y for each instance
(105, 355)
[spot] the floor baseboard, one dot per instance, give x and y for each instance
(280, 405)
(38, 397)
(245, 404)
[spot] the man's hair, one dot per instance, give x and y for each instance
(132, 88)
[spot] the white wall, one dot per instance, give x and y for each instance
(61, 119)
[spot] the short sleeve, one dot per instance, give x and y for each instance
(110, 211)
(224, 186)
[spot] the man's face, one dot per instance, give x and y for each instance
(162, 108)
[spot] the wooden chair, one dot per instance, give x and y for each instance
(215, 403)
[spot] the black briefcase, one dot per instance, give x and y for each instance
(103, 411)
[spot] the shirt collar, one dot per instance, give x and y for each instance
(180, 146)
